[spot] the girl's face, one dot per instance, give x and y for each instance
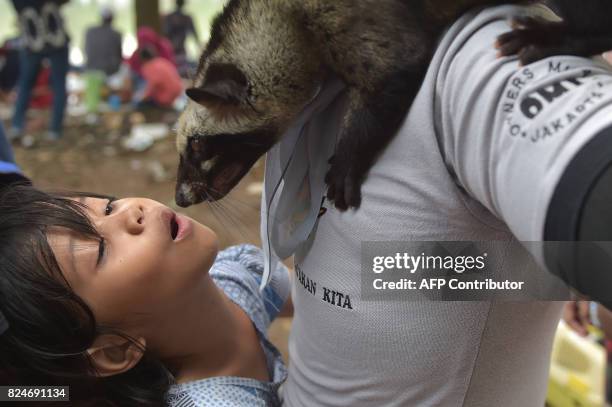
(149, 258)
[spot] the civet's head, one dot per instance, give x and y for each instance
(256, 74)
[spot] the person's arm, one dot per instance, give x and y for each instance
(287, 310)
(532, 145)
(580, 314)
(166, 25)
(119, 47)
(89, 49)
(577, 316)
(605, 320)
(193, 31)
(151, 83)
(581, 211)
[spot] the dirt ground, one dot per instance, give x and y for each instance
(92, 158)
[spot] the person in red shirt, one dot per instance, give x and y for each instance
(163, 83)
(148, 38)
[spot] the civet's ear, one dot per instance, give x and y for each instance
(225, 86)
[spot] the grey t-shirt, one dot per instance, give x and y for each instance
(103, 49)
(477, 158)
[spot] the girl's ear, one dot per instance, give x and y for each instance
(225, 86)
(608, 57)
(112, 354)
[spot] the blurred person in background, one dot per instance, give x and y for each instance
(148, 38)
(104, 57)
(160, 46)
(177, 27)
(9, 68)
(45, 37)
(163, 85)
(103, 45)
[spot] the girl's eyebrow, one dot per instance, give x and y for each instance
(81, 200)
(71, 251)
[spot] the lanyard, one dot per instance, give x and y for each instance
(294, 178)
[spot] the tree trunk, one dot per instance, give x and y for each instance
(147, 14)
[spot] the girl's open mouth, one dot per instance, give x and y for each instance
(174, 228)
(180, 227)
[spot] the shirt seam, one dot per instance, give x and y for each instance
(482, 334)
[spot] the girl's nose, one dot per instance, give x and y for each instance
(135, 218)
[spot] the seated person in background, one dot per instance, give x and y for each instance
(147, 38)
(131, 304)
(163, 83)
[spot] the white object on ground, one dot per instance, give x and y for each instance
(144, 135)
(157, 171)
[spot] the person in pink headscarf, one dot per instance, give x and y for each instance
(147, 38)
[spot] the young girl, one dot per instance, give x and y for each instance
(130, 304)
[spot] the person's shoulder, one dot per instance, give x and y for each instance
(247, 255)
(116, 33)
(163, 65)
(173, 16)
(242, 264)
(19, 5)
(149, 70)
(222, 391)
(94, 29)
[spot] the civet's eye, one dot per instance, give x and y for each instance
(196, 144)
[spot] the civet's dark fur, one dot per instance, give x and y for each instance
(266, 58)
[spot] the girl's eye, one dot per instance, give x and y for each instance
(109, 208)
(101, 250)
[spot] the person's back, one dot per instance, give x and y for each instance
(42, 25)
(103, 46)
(164, 84)
(177, 26)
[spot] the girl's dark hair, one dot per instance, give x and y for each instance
(50, 327)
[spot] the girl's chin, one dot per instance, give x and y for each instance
(207, 240)
(208, 235)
